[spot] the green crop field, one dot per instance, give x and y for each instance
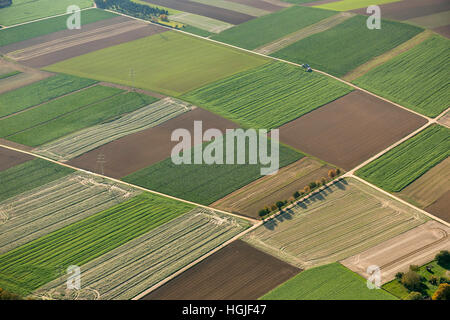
(43, 27)
(39, 92)
(29, 175)
(328, 282)
(171, 63)
(54, 109)
(27, 10)
(343, 48)
(345, 5)
(9, 74)
(203, 183)
(400, 166)
(417, 79)
(268, 96)
(42, 260)
(255, 33)
(99, 112)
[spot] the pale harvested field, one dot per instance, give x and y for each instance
(205, 23)
(234, 6)
(139, 264)
(90, 138)
(270, 189)
(417, 246)
(336, 223)
(445, 120)
(430, 186)
(260, 4)
(42, 210)
(320, 26)
(26, 77)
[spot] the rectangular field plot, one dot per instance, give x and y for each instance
(268, 96)
(345, 5)
(416, 79)
(39, 92)
(43, 259)
(25, 10)
(326, 52)
(134, 267)
(201, 22)
(43, 27)
(99, 112)
(266, 191)
(10, 158)
(414, 247)
(405, 163)
(235, 272)
(29, 175)
(258, 32)
(205, 183)
(234, 6)
(340, 221)
(90, 138)
(171, 63)
(329, 282)
(54, 205)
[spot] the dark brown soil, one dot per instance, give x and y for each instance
(441, 207)
(236, 272)
(259, 4)
(408, 9)
(221, 14)
(10, 158)
(139, 150)
(444, 30)
(350, 130)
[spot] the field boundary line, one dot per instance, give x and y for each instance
(41, 19)
(280, 60)
(253, 221)
(195, 262)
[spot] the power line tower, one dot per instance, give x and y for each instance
(100, 163)
(132, 74)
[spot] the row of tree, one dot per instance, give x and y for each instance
(131, 8)
(300, 193)
(5, 3)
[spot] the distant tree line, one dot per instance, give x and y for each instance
(131, 8)
(5, 3)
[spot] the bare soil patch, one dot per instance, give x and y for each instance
(445, 119)
(259, 4)
(144, 148)
(416, 246)
(441, 207)
(444, 31)
(236, 272)
(225, 15)
(270, 189)
(350, 130)
(10, 158)
(408, 9)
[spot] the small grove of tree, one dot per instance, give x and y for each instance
(5, 3)
(434, 280)
(414, 295)
(132, 8)
(306, 189)
(414, 267)
(331, 173)
(5, 295)
(399, 276)
(264, 212)
(442, 293)
(411, 280)
(324, 181)
(443, 259)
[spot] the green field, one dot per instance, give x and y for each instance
(39, 92)
(99, 112)
(255, 33)
(203, 183)
(54, 109)
(400, 166)
(42, 260)
(197, 31)
(171, 63)
(328, 282)
(417, 79)
(43, 27)
(346, 5)
(268, 96)
(27, 10)
(9, 74)
(29, 175)
(348, 45)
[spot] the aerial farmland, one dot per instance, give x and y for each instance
(195, 150)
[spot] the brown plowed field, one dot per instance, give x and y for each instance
(10, 158)
(350, 130)
(225, 15)
(444, 31)
(67, 44)
(144, 148)
(259, 4)
(270, 189)
(408, 9)
(441, 207)
(416, 246)
(317, 3)
(236, 272)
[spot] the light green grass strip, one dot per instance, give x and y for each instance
(201, 22)
(346, 5)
